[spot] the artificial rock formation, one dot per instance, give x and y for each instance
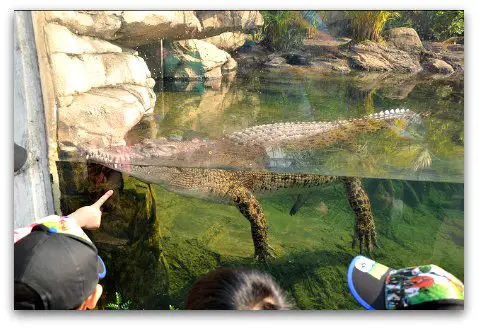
(135, 28)
(228, 41)
(101, 87)
(196, 59)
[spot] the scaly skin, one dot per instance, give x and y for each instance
(364, 223)
(239, 188)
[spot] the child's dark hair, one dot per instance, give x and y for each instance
(236, 289)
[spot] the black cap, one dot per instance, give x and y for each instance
(61, 269)
(378, 287)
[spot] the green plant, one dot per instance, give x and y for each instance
(118, 304)
(283, 29)
(368, 24)
(172, 308)
(433, 25)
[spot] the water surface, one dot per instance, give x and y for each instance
(427, 149)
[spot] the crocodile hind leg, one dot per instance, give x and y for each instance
(249, 206)
(364, 222)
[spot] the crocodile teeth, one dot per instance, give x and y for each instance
(381, 113)
(407, 110)
(115, 165)
(387, 112)
(371, 115)
(392, 111)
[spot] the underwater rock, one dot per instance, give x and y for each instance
(339, 66)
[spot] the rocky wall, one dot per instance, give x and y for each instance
(101, 87)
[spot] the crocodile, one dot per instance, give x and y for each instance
(240, 188)
(248, 148)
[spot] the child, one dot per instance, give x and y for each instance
(236, 289)
(56, 266)
(423, 287)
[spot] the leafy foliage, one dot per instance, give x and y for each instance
(433, 25)
(283, 29)
(368, 24)
(118, 304)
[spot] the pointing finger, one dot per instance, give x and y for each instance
(103, 199)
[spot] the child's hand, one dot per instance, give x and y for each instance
(89, 217)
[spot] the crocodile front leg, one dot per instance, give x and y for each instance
(364, 222)
(249, 206)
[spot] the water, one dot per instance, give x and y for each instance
(417, 222)
(413, 175)
(429, 149)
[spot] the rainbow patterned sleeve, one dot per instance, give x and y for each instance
(55, 224)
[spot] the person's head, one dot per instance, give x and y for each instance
(236, 289)
(56, 271)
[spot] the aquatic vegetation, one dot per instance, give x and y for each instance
(118, 304)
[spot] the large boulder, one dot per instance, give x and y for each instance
(100, 24)
(406, 39)
(372, 56)
(228, 41)
(195, 59)
(215, 22)
(101, 117)
(143, 27)
(135, 28)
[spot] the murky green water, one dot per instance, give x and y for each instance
(413, 176)
(417, 223)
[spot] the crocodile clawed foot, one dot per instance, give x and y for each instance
(366, 236)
